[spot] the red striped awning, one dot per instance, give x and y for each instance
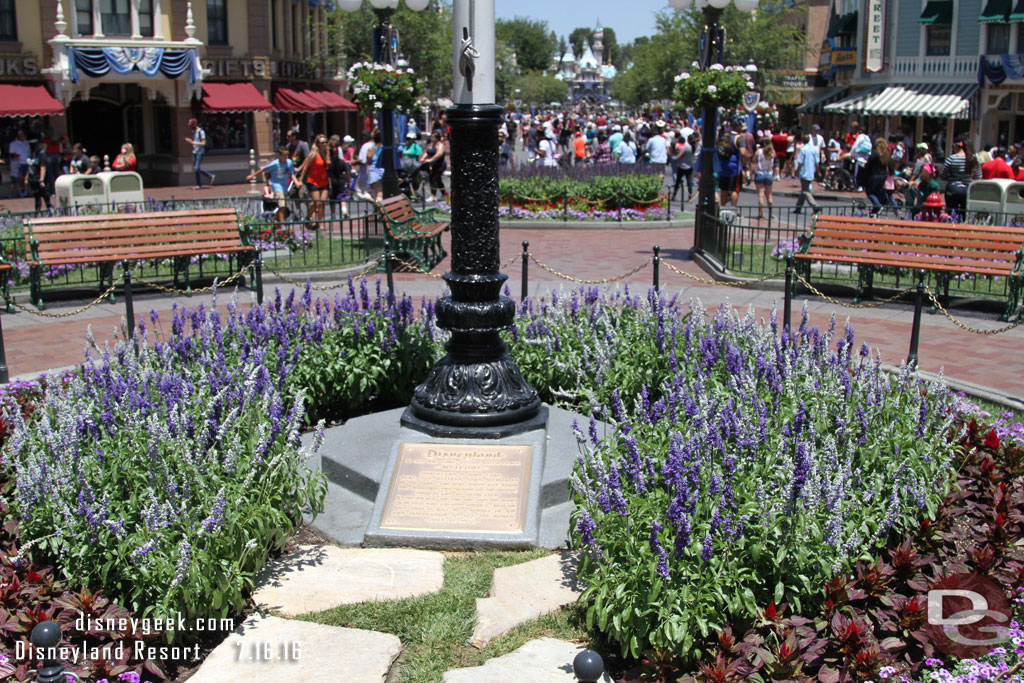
(298, 99)
(233, 97)
(333, 101)
(28, 100)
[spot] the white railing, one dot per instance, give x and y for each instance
(957, 68)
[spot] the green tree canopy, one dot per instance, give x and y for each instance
(538, 89)
(759, 37)
(534, 44)
(425, 41)
(579, 39)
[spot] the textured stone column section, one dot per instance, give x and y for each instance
(475, 391)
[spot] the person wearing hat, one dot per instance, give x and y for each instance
(348, 149)
(615, 139)
(579, 148)
(921, 157)
(198, 142)
(926, 185)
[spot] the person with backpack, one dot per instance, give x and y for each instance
(198, 142)
(729, 164)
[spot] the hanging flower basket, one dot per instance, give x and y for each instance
(382, 86)
(716, 86)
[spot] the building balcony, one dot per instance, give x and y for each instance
(947, 68)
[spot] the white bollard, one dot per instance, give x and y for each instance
(253, 188)
(106, 162)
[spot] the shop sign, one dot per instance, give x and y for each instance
(18, 66)
(835, 58)
(874, 37)
(260, 67)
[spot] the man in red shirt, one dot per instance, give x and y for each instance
(780, 144)
(996, 168)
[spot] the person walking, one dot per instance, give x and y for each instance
(35, 178)
(433, 160)
(339, 174)
(19, 150)
(806, 166)
(625, 153)
(874, 175)
(313, 172)
(198, 142)
(682, 159)
(764, 175)
(729, 164)
(279, 173)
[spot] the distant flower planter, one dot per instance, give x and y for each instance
(716, 86)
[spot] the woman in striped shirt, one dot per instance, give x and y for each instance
(959, 169)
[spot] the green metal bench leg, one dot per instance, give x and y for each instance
(36, 286)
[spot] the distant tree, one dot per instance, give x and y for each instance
(538, 89)
(425, 41)
(579, 39)
(531, 40)
(562, 48)
(611, 47)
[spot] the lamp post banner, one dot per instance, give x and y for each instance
(874, 37)
(473, 46)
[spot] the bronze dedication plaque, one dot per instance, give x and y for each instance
(459, 488)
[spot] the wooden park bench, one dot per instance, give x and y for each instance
(414, 233)
(946, 249)
(107, 239)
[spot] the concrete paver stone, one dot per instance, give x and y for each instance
(320, 577)
(523, 592)
(545, 660)
(275, 650)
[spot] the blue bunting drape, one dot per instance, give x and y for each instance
(98, 61)
(1009, 66)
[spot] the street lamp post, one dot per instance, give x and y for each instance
(475, 391)
(711, 49)
(385, 51)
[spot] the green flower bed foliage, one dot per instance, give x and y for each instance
(371, 356)
(607, 187)
(740, 468)
(166, 477)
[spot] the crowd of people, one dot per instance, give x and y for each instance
(35, 165)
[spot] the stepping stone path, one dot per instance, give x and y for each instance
(523, 592)
(317, 578)
(545, 660)
(274, 650)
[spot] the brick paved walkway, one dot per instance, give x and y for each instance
(34, 344)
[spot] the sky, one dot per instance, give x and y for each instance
(629, 18)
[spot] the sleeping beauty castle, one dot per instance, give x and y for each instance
(587, 76)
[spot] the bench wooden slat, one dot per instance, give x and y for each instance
(84, 231)
(831, 246)
(965, 265)
(943, 267)
(104, 241)
(129, 217)
(918, 237)
(119, 253)
(902, 223)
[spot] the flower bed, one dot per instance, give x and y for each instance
(601, 188)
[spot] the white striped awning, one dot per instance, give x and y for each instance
(817, 105)
(940, 100)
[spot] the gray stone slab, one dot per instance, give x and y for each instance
(377, 536)
(554, 526)
(344, 518)
(525, 591)
(544, 660)
(275, 650)
(316, 578)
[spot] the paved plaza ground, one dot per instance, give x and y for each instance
(35, 344)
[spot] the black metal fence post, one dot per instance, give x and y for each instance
(388, 267)
(258, 276)
(46, 636)
(915, 332)
(657, 263)
(618, 194)
(4, 375)
(565, 204)
(588, 667)
(526, 269)
(787, 307)
(129, 305)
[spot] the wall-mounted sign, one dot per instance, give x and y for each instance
(874, 37)
(834, 58)
(240, 68)
(18, 66)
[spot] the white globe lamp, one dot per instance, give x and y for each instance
(417, 5)
(746, 5)
(350, 5)
(384, 4)
(680, 4)
(718, 4)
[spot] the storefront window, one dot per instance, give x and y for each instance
(938, 40)
(1020, 40)
(116, 17)
(83, 13)
(997, 41)
(217, 22)
(162, 133)
(8, 24)
(227, 133)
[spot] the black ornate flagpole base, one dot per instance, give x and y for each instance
(475, 391)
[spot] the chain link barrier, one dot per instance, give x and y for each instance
(172, 290)
(65, 314)
(837, 302)
(324, 288)
(590, 282)
(964, 326)
(722, 283)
